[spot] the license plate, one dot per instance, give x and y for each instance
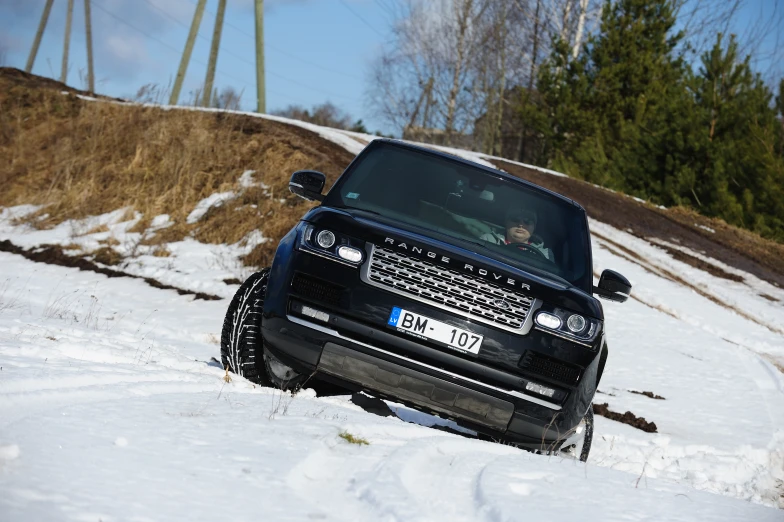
(428, 328)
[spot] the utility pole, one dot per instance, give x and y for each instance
(216, 36)
(186, 55)
(88, 31)
(67, 42)
(38, 35)
(261, 94)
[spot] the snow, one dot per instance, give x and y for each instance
(161, 221)
(246, 180)
(111, 408)
(113, 377)
(203, 206)
(191, 265)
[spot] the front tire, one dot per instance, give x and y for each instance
(241, 344)
(242, 351)
(580, 446)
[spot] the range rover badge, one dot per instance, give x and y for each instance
(500, 303)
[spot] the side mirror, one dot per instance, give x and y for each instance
(613, 286)
(308, 184)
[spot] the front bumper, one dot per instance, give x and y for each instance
(495, 410)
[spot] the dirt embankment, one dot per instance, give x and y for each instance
(732, 246)
(83, 158)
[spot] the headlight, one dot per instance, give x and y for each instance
(570, 325)
(332, 245)
(325, 239)
(576, 323)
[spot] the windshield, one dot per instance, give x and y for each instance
(507, 221)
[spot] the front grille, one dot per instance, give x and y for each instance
(317, 290)
(551, 368)
(462, 293)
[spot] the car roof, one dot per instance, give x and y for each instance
(506, 176)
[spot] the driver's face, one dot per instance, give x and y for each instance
(520, 227)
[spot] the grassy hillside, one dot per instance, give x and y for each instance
(83, 158)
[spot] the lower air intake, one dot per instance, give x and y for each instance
(317, 290)
(551, 368)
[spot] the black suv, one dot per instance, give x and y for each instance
(439, 283)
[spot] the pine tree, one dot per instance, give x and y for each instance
(739, 172)
(630, 114)
(611, 108)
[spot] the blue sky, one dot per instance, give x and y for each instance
(317, 50)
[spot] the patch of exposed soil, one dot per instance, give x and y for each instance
(53, 255)
(732, 246)
(621, 251)
(769, 298)
(648, 394)
(700, 264)
(627, 418)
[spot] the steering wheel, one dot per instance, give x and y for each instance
(525, 247)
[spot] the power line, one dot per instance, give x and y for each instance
(245, 60)
(363, 20)
(142, 31)
(161, 42)
(390, 12)
(223, 73)
(289, 54)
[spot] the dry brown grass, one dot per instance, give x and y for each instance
(353, 439)
(82, 158)
(161, 251)
(107, 256)
(98, 229)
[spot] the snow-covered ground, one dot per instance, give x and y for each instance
(111, 410)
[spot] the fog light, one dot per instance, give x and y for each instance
(350, 254)
(576, 323)
(315, 314)
(541, 390)
(325, 239)
(548, 320)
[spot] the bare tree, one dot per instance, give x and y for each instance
(456, 68)
(427, 72)
(759, 27)
(228, 98)
(578, 36)
(326, 115)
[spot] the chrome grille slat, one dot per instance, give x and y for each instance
(463, 293)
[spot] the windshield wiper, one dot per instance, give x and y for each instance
(362, 210)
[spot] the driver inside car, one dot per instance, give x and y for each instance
(520, 225)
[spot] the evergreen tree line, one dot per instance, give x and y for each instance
(630, 113)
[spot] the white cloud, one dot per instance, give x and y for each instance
(127, 49)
